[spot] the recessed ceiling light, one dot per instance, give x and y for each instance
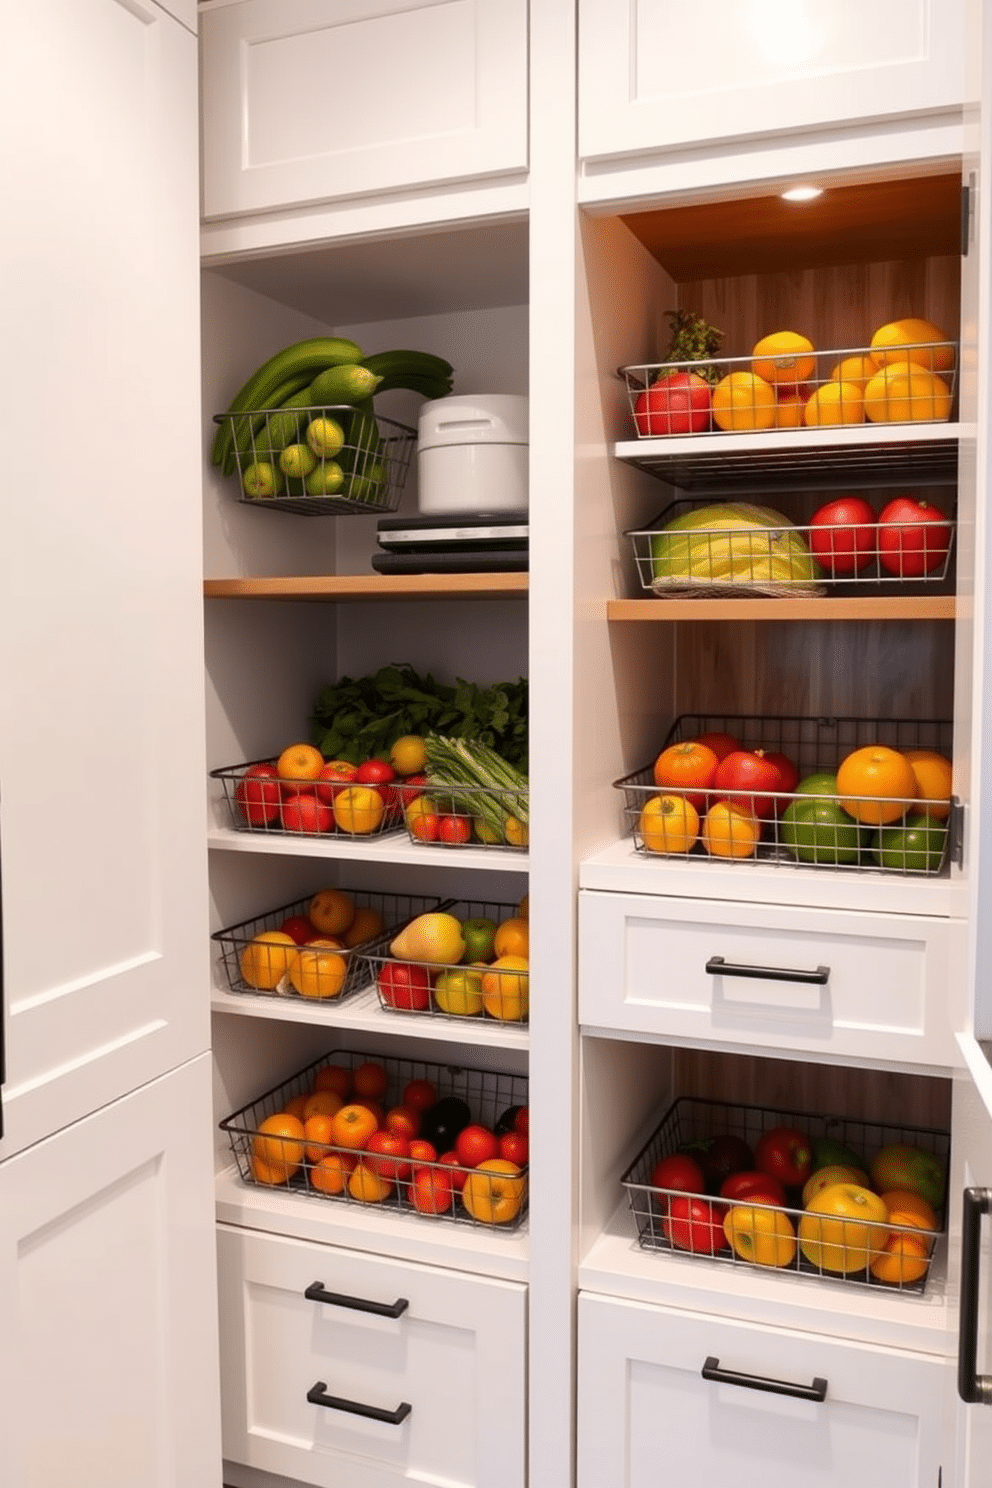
(802, 193)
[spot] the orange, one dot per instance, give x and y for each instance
(669, 824)
(743, 401)
(352, 1126)
(907, 1208)
(300, 762)
(893, 342)
(264, 1172)
(330, 1173)
(266, 959)
(729, 832)
(933, 773)
(903, 1259)
(278, 1142)
(331, 911)
(367, 1186)
(358, 810)
(905, 393)
(321, 1103)
(295, 1106)
(836, 403)
(857, 369)
(319, 1135)
(318, 972)
(790, 409)
(511, 938)
(370, 1078)
(367, 924)
(783, 357)
(506, 989)
(882, 777)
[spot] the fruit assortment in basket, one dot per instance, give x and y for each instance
(439, 1141)
(833, 1199)
(470, 960)
(875, 805)
(300, 792)
(904, 374)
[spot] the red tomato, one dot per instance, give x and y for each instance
(258, 795)
(679, 1172)
(761, 1187)
(514, 1146)
(450, 1160)
(423, 1152)
(676, 404)
(419, 1094)
(521, 1120)
(304, 813)
(424, 826)
(411, 788)
(300, 928)
(405, 986)
(431, 1191)
(786, 1154)
(843, 535)
(475, 1144)
(334, 776)
(384, 1151)
(377, 773)
(695, 1224)
(748, 770)
(914, 537)
(454, 829)
(404, 1121)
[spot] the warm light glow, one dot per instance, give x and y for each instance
(802, 193)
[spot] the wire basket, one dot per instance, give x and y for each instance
(471, 816)
(488, 1094)
(259, 803)
(765, 832)
(291, 460)
(782, 392)
(852, 1251)
(392, 911)
(466, 991)
(787, 559)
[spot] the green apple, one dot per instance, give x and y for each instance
(479, 934)
(325, 437)
(823, 784)
(459, 992)
(325, 480)
(261, 480)
(297, 460)
(913, 845)
(819, 830)
(901, 1165)
(828, 1153)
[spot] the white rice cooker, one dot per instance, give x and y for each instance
(472, 453)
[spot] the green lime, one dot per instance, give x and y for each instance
(819, 830)
(297, 460)
(261, 480)
(325, 480)
(913, 845)
(325, 437)
(823, 784)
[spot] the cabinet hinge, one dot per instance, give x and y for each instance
(967, 214)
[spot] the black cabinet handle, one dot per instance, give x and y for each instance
(717, 966)
(316, 1292)
(974, 1388)
(816, 1391)
(317, 1395)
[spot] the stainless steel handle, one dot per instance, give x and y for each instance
(317, 1395)
(816, 1391)
(974, 1388)
(717, 966)
(316, 1292)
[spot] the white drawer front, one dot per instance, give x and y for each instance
(868, 986)
(454, 1355)
(311, 100)
(647, 1415)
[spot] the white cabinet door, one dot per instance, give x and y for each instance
(342, 1367)
(102, 788)
(317, 100)
(657, 75)
(971, 1221)
(108, 1299)
(647, 1414)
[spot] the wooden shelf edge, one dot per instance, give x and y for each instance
(342, 588)
(853, 607)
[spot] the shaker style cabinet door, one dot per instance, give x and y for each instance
(316, 100)
(657, 74)
(839, 1412)
(102, 782)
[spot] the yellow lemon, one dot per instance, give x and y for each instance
(836, 403)
(742, 400)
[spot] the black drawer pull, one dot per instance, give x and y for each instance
(974, 1388)
(317, 1395)
(816, 1391)
(315, 1292)
(717, 966)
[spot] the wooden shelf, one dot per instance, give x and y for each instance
(849, 607)
(345, 588)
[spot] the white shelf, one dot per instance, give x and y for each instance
(615, 1265)
(363, 1013)
(478, 1249)
(390, 847)
(620, 868)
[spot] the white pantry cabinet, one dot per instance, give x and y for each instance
(704, 1398)
(306, 101)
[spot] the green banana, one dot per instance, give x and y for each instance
(310, 356)
(347, 383)
(416, 371)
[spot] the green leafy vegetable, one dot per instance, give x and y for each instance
(361, 718)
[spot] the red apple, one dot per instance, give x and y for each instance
(514, 1145)
(304, 813)
(454, 830)
(404, 1121)
(747, 770)
(431, 1191)
(387, 1153)
(258, 794)
(334, 776)
(475, 1144)
(678, 403)
(300, 928)
(378, 773)
(419, 1094)
(405, 986)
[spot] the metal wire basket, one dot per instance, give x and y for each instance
(316, 462)
(781, 392)
(391, 912)
(313, 1170)
(787, 559)
(471, 816)
(851, 1251)
(258, 803)
(466, 991)
(763, 833)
